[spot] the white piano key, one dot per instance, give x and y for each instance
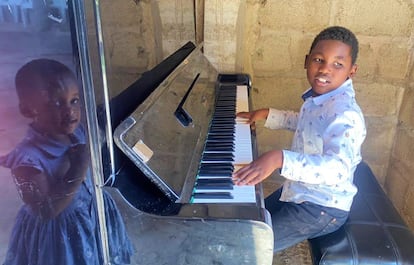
(242, 99)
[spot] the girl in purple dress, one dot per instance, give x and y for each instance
(58, 222)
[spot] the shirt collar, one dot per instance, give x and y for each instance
(345, 87)
(51, 146)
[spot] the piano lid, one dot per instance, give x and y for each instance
(165, 135)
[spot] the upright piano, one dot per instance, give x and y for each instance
(177, 142)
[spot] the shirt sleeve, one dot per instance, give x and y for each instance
(281, 119)
(341, 142)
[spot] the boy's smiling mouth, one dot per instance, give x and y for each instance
(322, 80)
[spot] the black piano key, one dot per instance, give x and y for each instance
(223, 130)
(224, 109)
(218, 148)
(218, 142)
(216, 122)
(224, 115)
(218, 152)
(224, 105)
(218, 155)
(213, 186)
(223, 119)
(215, 170)
(225, 172)
(222, 125)
(220, 137)
(223, 180)
(212, 195)
(217, 166)
(217, 158)
(225, 98)
(226, 101)
(215, 173)
(226, 132)
(214, 148)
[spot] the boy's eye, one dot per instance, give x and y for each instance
(317, 60)
(338, 65)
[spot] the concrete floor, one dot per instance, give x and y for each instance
(17, 46)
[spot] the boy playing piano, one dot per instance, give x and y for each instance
(317, 194)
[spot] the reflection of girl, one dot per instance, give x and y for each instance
(58, 223)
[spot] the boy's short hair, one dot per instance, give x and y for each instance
(341, 34)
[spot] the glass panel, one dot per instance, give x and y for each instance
(48, 203)
(119, 48)
(133, 38)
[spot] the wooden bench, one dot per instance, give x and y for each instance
(375, 233)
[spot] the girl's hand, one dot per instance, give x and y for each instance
(79, 162)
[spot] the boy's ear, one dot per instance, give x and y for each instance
(306, 61)
(353, 70)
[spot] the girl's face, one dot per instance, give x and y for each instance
(58, 111)
(329, 65)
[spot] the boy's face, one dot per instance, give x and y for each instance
(59, 109)
(329, 65)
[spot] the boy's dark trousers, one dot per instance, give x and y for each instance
(293, 223)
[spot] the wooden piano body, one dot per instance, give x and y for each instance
(164, 226)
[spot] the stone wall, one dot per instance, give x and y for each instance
(269, 40)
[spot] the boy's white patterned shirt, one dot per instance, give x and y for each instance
(326, 148)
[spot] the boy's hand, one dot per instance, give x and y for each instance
(253, 116)
(260, 169)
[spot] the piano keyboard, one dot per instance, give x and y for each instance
(227, 148)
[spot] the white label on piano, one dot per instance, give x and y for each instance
(143, 151)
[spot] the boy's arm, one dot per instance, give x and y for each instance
(281, 119)
(341, 144)
(274, 119)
